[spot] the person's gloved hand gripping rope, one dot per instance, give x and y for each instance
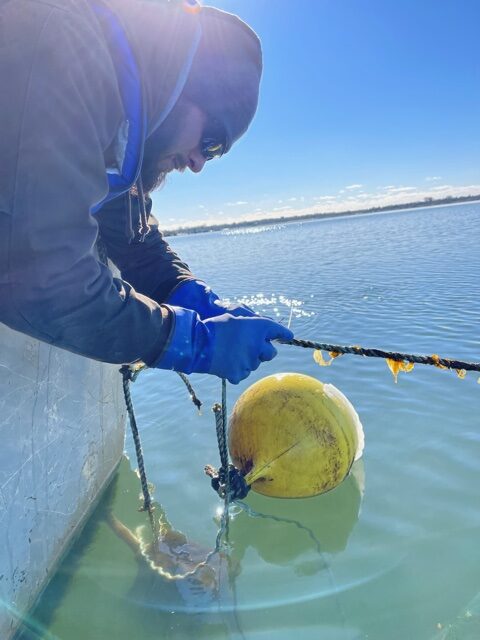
(226, 346)
(196, 295)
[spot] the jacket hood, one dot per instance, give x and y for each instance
(209, 55)
(164, 38)
(225, 74)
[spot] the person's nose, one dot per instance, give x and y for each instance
(196, 160)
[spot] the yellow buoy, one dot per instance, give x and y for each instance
(294, 436)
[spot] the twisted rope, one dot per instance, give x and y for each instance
(193, 395)
(228, 481)
(225, 446)
(434, 360)
(221, 435)
(129, 375)
(223, 479)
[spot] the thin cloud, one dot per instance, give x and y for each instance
(401, 189)
(354, 186)
(236, 204)
(394, 196)
(433, 178)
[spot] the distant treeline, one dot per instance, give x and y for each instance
(427, 202)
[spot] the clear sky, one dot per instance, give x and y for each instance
(362, 102)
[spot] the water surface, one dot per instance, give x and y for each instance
(389, 555)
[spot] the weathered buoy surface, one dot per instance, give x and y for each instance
(294, 436)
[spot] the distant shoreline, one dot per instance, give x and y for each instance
(424, 204)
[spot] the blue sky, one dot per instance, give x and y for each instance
(362, 102)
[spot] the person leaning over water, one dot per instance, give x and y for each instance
(100, 100)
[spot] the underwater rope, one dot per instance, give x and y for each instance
(130, 375)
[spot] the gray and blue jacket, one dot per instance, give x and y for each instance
(75, 109)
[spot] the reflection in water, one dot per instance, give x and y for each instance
(326, 522)
(323, 524)
(274, 305)
(171, 574)
(249, 230)
(128, 596)
(169, 557)
(113, 574)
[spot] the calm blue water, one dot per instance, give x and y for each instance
(399, 544)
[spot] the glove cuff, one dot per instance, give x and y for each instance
(195, 295)
(190, 349)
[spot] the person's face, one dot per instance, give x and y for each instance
(176, 145)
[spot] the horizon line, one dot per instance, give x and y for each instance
(206, 226)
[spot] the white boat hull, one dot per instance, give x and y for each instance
(62, 429)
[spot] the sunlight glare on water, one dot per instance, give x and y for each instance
(390, 554)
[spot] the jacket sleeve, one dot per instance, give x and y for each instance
(60, 98)
(150, 266)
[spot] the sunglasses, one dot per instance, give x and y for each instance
(213, 143)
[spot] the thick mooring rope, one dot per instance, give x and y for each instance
(228, 481)
(221, 435)
(335, 349)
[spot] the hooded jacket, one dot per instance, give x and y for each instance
(64, 129)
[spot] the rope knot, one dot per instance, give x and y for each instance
(127, 372)
(238, 488)
(130, 372)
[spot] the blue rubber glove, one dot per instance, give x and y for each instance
(225, 346)
(196, 295)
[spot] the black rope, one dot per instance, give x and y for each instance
(129, 375)
(221, 436)
(228, 481)
(434, 360)
(226, 465)
(193, 395)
